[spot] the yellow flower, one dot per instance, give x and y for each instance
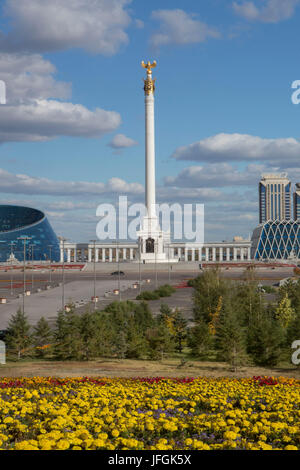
(230, 435)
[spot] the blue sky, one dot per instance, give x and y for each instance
(73, 127)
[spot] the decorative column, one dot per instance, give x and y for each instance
(249, 253)
(221, 254)
(103, 255)
(110, 255)
(149, 88)
(96, 254)
(234, 254)
(214, 254)
(206, 254)
(90, 255)
(227, 254)
(69, 255)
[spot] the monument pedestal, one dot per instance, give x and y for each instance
(154, 244)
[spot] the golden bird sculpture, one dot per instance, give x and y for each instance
(149, 66)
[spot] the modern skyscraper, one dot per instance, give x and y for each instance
(297, 202)
(274, 197)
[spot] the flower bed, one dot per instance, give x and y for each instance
(149, 413)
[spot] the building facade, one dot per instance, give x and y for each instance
(297, 202)
(276, 240)
(17, 222)
(187, 252)
(274, 197)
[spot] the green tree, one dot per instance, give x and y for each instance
(265, 340)
(180, 330)
(208, 288)
(230, 341)
(159, 341)
(42, 338)
(87, 328)
(67, 335)
(284, 312)
(200, 340)
(18, 337)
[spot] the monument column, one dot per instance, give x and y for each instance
(149, 89)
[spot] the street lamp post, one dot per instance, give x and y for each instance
(94, 241)
(155, 251)
(11, 268)
(119, 275)
(25, 239)
(50, 279)
(32, 248)
(169, 270)
(140, 273)
(63, 240)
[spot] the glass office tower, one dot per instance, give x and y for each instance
(274, 197)
(297, 202)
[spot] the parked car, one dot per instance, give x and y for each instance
(117, 273)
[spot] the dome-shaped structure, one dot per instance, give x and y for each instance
(17, 222)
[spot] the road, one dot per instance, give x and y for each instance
(79, 286)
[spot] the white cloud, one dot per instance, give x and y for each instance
(179, 27)
(273, 11)
(46, 119)
(25, 184)
(98, 26)
(30, 76)
(120, 141)
(241, 147)
(216, 175)
(31, 116)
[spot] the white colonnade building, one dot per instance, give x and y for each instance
(235, 251)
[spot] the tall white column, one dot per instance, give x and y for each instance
(69, 255)
(249, 253)
(221, 254)
(206, 254)
(150, 152)
(110, 255)
(124, 254)
(103, 255)
(214, 254)
(96, 254)
(61, 255)
(234, 254)
(90, 255)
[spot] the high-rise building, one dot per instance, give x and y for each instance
(274, 197)
(297, 202)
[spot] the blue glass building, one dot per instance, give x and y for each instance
(18, 221)
(297, 202)
(279, 239)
